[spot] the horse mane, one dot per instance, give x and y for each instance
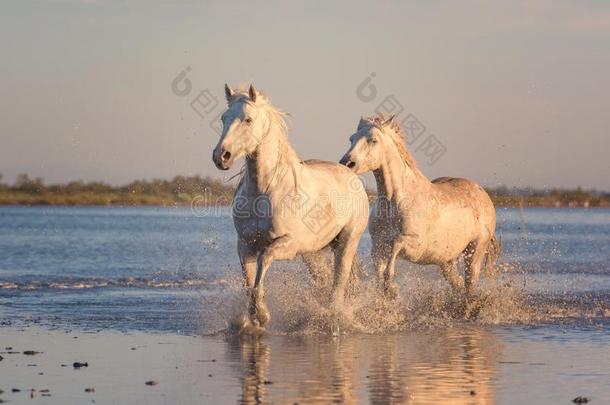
(277, 121)
(277, 117)
(396, 135)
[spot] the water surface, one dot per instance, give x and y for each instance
(161, 274)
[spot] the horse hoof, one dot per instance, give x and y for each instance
(262, 318)
(259, 315)
(240, 324)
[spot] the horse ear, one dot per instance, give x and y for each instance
(390, 120)
(252, 93)
(228, 93)
(362, 122)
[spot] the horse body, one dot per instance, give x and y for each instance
(284, 207)
(424, 222)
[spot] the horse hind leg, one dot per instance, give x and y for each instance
(450, 272)
(345, 249)
(494, 250)
(320, 267)
(380, 254)
(247, 259)
(390, 288)
(475, 253)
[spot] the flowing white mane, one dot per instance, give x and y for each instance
(276, 117)
(393, 130)
(277, 129)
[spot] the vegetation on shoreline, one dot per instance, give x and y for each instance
(187, 190)
(181, 190)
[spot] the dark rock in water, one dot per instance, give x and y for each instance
(78, 364)
(31, 352)
(581, 400)
(46, 394)
(90, 389)
(15, 390)
(45, 390)
(8, 348)
(1, 392)
(64, 365)
(151, 382)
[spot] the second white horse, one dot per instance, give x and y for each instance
(427, 222)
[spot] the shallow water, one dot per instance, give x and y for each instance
(173, 269)
(540, 333)
(463, 364)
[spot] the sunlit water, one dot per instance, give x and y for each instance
(158, 270)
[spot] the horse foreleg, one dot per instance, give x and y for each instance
(280, 249)
(247, 259)
(390, 289)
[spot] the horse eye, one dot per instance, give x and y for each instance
(248, 120)
(373, 140)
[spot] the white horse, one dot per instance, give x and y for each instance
(283, 206)
(428, 222)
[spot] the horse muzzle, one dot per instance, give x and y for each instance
(222, 158)
(346, 161)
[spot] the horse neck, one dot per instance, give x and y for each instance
(396, 179)
(273, 160)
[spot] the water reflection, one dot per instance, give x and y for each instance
(455, 366)
(252, 354)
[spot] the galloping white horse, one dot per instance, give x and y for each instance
(283, 206)
(428, 222)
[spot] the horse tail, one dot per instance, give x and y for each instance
(494, 250)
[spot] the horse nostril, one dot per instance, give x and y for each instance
(226, 155)
(350, 164)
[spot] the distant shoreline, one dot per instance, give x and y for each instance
(88, 200)
(207, 191)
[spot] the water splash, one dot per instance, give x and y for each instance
(298, 307)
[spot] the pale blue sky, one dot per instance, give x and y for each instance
(517, 92)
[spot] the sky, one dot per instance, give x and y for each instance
(509, 93)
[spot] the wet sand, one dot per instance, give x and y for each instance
(461, 364)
